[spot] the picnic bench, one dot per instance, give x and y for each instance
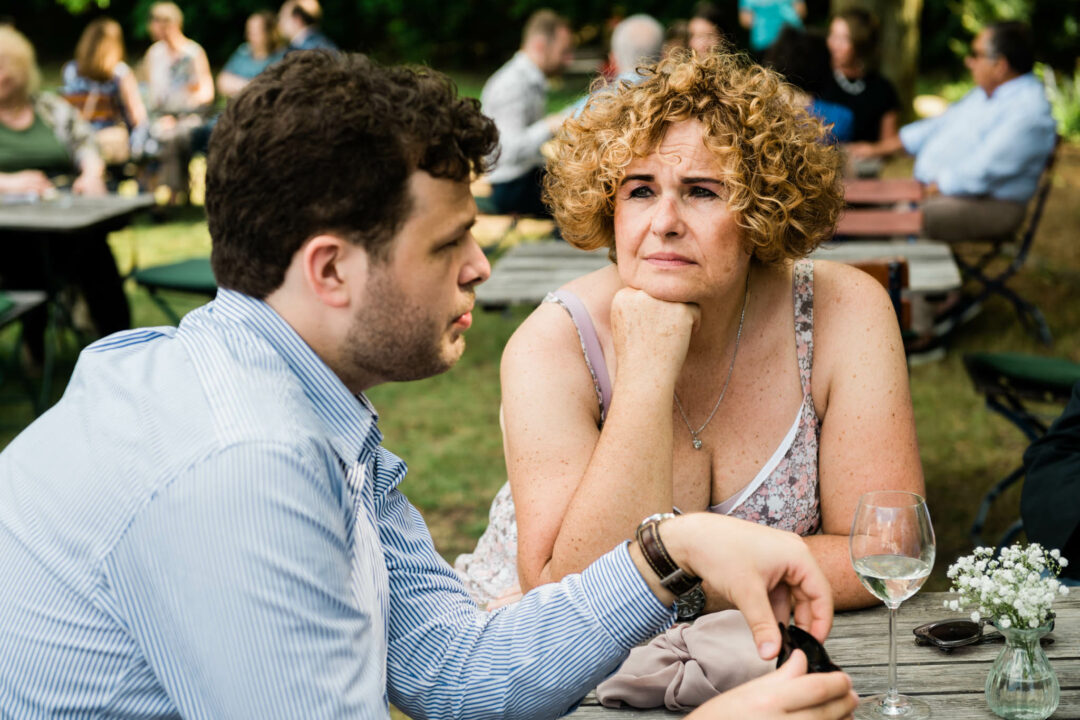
(527, 272)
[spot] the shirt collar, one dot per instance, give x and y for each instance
(1010, 87)
(536, 75)
(351, 420)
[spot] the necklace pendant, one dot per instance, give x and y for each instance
(697, 443)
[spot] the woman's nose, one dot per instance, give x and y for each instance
(667, 218)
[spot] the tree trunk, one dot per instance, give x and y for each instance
(899, 43)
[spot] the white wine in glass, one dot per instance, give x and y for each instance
(892, 551)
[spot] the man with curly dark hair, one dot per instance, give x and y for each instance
(222, 536)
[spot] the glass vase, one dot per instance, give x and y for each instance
(1022, 685)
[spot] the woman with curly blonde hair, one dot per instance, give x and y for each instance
(722, 371)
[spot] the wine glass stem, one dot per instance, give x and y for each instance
(893, 696)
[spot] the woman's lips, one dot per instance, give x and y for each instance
(668, 260)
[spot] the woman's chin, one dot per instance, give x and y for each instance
(667, 291)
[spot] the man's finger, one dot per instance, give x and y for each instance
(749, 595)
(813, 690)
(841, 707)
(814, 608)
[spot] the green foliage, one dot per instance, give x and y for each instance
(947, 27)
(80, 6)
(1064, 95)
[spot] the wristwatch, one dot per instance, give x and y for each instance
(689, 596)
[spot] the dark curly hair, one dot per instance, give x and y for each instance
(783, 181)
(326, 142)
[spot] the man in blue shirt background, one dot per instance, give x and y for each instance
(298, 21)
(206, 524)
(981, 159)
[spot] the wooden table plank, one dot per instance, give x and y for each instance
(879, 223)
(951, 683)
(882, 191)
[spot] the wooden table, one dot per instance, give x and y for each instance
(527, 272)
(67, 213)
(952, 684)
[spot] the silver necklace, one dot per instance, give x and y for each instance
(851, 87)
(738, 336)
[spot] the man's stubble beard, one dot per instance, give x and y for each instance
(394, 339)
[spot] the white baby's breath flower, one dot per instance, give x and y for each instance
(1015, 589)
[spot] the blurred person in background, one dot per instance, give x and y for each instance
(857, 84)
(515, 97)
(766, 18)
(298, 21)
(676, 37)
(981, 160)
(706, 28)
(803, 59)
(263, 46)
(42, 140)
(635, 42)
(180, 89)
(103, 88)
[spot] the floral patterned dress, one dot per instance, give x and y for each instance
(783, 494)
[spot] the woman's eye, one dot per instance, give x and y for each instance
(641, 191)
(702, 192)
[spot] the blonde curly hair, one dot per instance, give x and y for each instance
(783, 178)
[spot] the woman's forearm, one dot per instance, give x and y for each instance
(832, 554)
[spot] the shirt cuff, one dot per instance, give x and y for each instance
(621, 599)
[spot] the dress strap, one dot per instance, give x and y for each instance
(590, 345)
(803, 292)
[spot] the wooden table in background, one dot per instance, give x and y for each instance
(951, 683)
(69, 213)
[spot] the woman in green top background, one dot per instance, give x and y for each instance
(40, 134)
(43, 138)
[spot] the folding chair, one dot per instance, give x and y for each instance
(188, 276)
(1012, 383)
(13, 305)
(1015, 248)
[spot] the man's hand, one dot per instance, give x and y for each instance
(757, 569)
(786, 693)
(651, 336)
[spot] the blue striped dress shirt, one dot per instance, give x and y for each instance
(206, 526)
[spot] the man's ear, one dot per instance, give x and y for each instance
(332, 268)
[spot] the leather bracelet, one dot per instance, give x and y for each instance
(672, 577)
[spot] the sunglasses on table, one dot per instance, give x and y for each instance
(794, 638)
(950, 634)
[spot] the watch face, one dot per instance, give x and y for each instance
(690, 604)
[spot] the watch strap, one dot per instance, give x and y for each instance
(672, 577)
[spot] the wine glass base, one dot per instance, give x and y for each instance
(874, 707)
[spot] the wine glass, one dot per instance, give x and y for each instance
(892, 549)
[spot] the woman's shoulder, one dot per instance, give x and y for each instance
(549, 330)
(841, 288)
(850, 307)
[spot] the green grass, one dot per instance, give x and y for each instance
(447, 427)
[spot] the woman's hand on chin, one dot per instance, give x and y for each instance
(651, 336)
